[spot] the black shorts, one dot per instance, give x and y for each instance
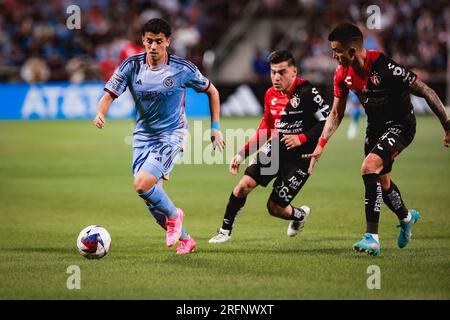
(289, 169)
(388, 143)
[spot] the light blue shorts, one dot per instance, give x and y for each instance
(159, 155)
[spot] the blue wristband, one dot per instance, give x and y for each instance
(215, 125)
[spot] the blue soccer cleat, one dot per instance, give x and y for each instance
(404, 236)
(367, 245)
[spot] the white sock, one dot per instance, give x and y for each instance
(375, 236)
(408, 217)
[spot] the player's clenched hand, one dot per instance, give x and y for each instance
(447, 139)
(217, 139)
(291, 141)
(99, 120)
(235, 163)
(314, 157)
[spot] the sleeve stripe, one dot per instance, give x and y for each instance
(112, 93)
(132, 58)
(183, 60)
(185, 64)
(205, 88)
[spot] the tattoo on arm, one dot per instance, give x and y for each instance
(420, 89)
(335, 118)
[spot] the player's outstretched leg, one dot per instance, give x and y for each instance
(232, 211)
(296, 226)
(186, 246)
(373, 197)
(368, 245)
(161, 220)
(405, 226)
(393, 199)
(186, 243)
(174, 226)
(148, 189)
(297, 216)
(235, 204)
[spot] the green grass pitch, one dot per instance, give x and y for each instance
(58, 177)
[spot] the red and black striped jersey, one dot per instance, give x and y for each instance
(301, 111)
(382, 88)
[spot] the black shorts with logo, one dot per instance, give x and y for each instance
(392, 139)
(289, 169)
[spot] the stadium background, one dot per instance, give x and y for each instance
(228, 46)
(50, 72)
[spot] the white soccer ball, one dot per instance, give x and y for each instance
(94, 242)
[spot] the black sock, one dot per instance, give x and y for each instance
(393, 199)
(234, 205)
(374, 196)
(297, 214)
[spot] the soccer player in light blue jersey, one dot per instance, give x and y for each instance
(157, 81)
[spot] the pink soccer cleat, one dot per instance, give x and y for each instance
(173, 227)
(186, 246)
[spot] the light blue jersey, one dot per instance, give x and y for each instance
(158, 92)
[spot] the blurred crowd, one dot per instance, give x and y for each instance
(37, 46)
(413, 32)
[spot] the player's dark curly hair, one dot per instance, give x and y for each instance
(156, 26)
(345, 33)
(279, 56)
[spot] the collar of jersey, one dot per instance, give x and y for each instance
(156, 68)
(296, 82)
(367, 63)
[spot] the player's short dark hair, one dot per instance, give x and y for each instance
(279, 56)
(345, 33)
(156, 26)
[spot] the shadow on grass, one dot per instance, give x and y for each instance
(263, 240)
(273, 251)
(55, 250)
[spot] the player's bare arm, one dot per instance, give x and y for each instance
(332, 123)
(214, 105)
(103, 108)
(420, 89)
(335, 117)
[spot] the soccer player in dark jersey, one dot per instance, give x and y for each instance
(297, 111)
(383, 88)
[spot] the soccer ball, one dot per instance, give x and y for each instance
(94, 242)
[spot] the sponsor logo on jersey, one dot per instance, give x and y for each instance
(348, 80)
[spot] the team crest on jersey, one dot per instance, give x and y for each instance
(376, 80)
(168, 82)
(295, 101)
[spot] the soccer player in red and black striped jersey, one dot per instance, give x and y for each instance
(383, 88)
(294, 116)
